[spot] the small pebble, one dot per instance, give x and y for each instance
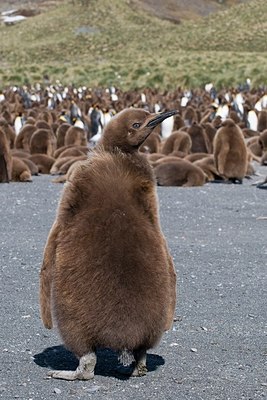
(93, 389)
(194, 350)
(57, 391)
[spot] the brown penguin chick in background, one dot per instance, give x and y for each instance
(9, 132)
(58, 163)
(178, 122)
(24, 137)
(72, 152)
(210, 133)
(5, 159)
(262, 120)
(65, 167)
(107, 275)
(20, 153)
(254, 147)
(61, 133)
(32, 166)
(189, 116)
(60, 150)
(20, 171)
(151, 144)
(41, 124)
(230, 152)
(179, 173)
(249, 133)
(262, 184)
(195, 156)
(177, 141)
(67, 176)
(263, 145)
(75, 136)
(43, 162)
(43, 141)
(200, 140)
(207, 164)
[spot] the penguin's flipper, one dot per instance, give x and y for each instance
(46, 277)
(172, 283)
(4, 178)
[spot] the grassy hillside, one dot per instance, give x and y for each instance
(111, 43)
(178, 10)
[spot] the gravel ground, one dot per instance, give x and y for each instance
(217, 348)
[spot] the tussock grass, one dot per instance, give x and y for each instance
(109, 43)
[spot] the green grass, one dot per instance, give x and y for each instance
(130, 49)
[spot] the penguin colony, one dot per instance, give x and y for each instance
(96, 293)
(43, 126)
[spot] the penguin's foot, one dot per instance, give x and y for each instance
(140, 359)
(139, 370)
(84, 371)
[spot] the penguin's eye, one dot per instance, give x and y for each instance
(136, 125)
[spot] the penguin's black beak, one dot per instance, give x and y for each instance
(160, 117)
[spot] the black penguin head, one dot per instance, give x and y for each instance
(128, 129)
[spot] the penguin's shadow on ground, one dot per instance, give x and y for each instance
(59, 358)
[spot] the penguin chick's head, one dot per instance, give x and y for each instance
(128, 129)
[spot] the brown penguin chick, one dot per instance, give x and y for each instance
(179, 173)
(248, 133)
(23, 139)
(97, 278)
(200, 140)
(177, 153)
(43, 141)
(230, 152)
(210, 133)
(61, 133)
(43, 162)
(30, 121)
(233, 115)
(151, 144)
(5, 159)
(41, 124)
(255, 148)
(20, 153)
(66, 177)
(178, 122)
(262, 120)
(59, 151)
(55, 168)
(189, 116)
(263, 145)
(216, 122)
(75, 136)
(177, 141)
(32, 166)
(195, 156)
(154, 156)
(262, 184)
(207, 164)
(165, 159)
(263, 160)
(71, 152)
(9, 132)
(20, 171)
(65, 167)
